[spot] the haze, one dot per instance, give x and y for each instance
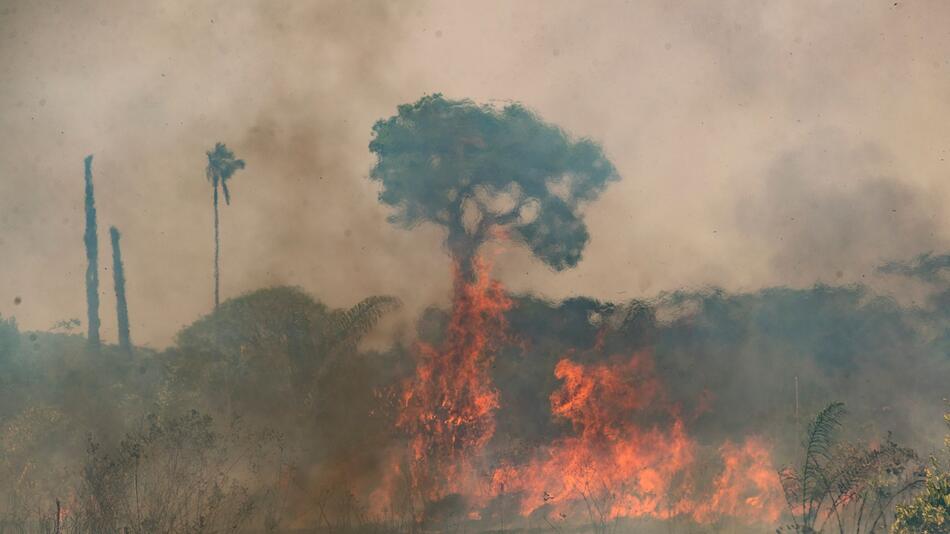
(759, 144)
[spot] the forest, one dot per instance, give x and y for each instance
(783, 409)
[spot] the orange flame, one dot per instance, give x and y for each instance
(449, 405)
(607, 452)
(630, 455)
(627, 452)
(747, 487)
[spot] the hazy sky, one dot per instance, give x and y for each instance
(760, 143)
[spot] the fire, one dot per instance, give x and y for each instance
(607, 451)
(449, 405)
(630, 455)
(747, 487)
(625, 453)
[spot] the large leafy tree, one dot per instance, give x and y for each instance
(479, 170)
(221, 167)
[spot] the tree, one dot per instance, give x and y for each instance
(480, 171)
(275, 343)
(221, 166)
(91, 241)
(121, 306)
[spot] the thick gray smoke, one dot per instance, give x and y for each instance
(779, 239)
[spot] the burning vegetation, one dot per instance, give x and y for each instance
(506, 412)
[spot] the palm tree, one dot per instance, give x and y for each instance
(221, 166)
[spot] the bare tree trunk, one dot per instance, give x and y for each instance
(92, 257)
(121, 306)
(217, 272)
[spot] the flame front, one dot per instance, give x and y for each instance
(627, 468)
(629, 455)
(626, 451)
(448, 407)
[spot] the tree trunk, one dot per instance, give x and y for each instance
(92, 257)
(121, 306)
(465, 259)
(217, 272)
(464, 248)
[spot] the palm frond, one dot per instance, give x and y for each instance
(820, 437)
(819, 440)
(221, 167)
(860, 467)
(230, 166)
(355, 322)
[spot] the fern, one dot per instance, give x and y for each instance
(809, 487)
(818, 443)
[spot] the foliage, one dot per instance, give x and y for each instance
(928, 267)
(853, 486)
(9, 339)
(475, 169)
(805, 489)
(221, 167)
(263, 352)
(929, 512)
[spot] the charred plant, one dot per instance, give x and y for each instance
(91, 240)
(121, 306)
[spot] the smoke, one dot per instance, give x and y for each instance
(834, 206)
(293, 90)
(763, 148)
(738, 354)
(691, 102)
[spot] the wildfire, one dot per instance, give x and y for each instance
(449, 405)
(630, 455)
(747, 487)
(627, 468)
(626, 451)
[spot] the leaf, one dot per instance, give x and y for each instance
(348, 325)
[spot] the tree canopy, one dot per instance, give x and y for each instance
(478, 169)
(221, 166)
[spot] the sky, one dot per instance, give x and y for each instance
(758, 143)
